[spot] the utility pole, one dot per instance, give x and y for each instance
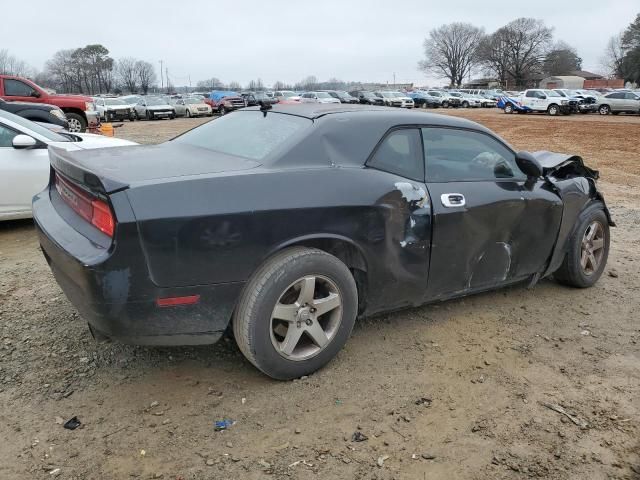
(166, 76)
(161, 77)
(394, 79)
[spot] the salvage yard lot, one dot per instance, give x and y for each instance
(453, 390)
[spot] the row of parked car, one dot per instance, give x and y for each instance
(566, 101)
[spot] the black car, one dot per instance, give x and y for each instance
(344, 97)
(253, 99)
(367, 98)
(36, 112)
(275, 221)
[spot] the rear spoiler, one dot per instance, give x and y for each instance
(63, 161)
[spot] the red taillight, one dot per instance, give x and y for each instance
(102, 218)
(173, 301)
(93, 210)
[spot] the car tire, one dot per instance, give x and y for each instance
(222, 111)
(578, 269)
(508, 108)
(149, 115)
(262, 336)
(445, 104)
(553, 110)
(77, 123)
(604, 110)
(187, 113)
(465, 104)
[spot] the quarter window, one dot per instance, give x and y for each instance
(16, 88)
(400, 153)
(464, 156)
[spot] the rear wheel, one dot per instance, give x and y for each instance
(508, 108)
(588, 249)
(296, 312)
(77, 123)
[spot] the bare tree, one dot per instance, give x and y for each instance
(280, 85)
(212, 83)
(517, 50)
(450, 51)
(126, 74)
(234, 86)
(146, 75)
(10, 65)
(562, 59)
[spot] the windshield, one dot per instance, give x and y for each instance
(192, 101)
(434, 94)
(113, 101)
(249, 134)
(386, 94)
(455, 94)
(152, 101)
(287, 93)
(323, 95)
(31, 127)
(561, 93)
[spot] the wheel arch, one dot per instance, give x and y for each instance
(75, 110)
(341, 247)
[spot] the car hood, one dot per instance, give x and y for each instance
(552, 162)
(114, 169)
(76, 98)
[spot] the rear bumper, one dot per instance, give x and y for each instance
(112, 291)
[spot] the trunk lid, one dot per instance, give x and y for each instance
(112, 169)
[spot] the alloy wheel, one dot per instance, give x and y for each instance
(74, 125)
(306, 317)
(592, 248)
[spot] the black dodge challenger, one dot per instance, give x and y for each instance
(288, 222)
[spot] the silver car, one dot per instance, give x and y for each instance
(318, 97)
(153, 108)
(617, 102)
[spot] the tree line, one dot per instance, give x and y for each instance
(518, 53)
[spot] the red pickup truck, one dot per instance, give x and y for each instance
(80, 110)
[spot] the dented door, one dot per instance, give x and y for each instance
(486, 219)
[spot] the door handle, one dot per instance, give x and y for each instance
(452, 200)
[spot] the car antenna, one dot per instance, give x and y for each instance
(264, 108)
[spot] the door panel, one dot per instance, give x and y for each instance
(23, 173)
(490, 225)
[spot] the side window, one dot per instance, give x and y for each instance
(531, 94)
(6, 136)
(16, 88)
(465, 156)
(631, 96)
(400, 153)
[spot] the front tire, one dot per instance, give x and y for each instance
(465, 104)
(77, 123)
(588, 250)
(604, 110)
(508, 108)
(296, 312)
(553, 110)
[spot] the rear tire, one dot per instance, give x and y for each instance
(285, 348)
(508, 108)
(586, 257)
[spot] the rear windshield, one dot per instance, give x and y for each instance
(249, 134)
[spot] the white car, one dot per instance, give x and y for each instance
(318, 97)
(405, 100)
(191, 107)
(24, 160)
(286, 95)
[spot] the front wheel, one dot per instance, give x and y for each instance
(296, 312)
(508, 108)
(77, 123)
(604, 110)
(222, 111)
(465, 104)
(553, 110)
(588, 249)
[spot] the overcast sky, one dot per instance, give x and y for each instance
(288, 40)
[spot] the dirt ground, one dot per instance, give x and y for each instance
(453, 391)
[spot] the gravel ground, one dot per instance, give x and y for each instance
(454, 390)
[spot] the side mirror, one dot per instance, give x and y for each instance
(23, 142)
(528, 164)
